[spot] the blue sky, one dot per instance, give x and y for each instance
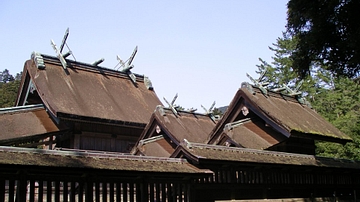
(201, 50)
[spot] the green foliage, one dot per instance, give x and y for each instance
(217, 111)
(327, 33)
(337, 99)
(8, 89)
(341, 106)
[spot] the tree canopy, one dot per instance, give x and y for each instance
(328, 33)
(9, 86)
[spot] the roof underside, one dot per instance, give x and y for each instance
(19, 123)
(88, 91)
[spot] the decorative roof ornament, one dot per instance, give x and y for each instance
(192, 110)
(172, 105)
(148, 83)
(127, 66)
(209, 111)
(297, 94)
(294, 92)
(260, 83)
(96, 63)
(38, 59)
(62, 57)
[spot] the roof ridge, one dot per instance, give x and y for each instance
(90, 67)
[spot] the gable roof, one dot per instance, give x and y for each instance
(283, 113)
(84, 90)
(185, 125)
(26, 123)
(199, 153)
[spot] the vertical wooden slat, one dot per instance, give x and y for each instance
(32, 190)
(57, 191)
(185, 191)
(97, 192)
(174, 192)
(124, 190)
(157, 187)
(151, 190)
(138, 191)
(21, 190)
(48, 190)
(65, 191)
(118, 192)
(145, 191)
(89, 189)
(72, 191)
(169, 192)
(131, 191)
(40, 190)
(11, 190)
(81, 192)
(163, 192)
(104, 191)
(111, 192)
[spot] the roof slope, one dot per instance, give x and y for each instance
(169, 130)
(104, 161)
(201, 152)
(20, 123)
(291, 115)
(191, 126)
(283, 113)
(155, 146)
(91, 91)
(254, 134)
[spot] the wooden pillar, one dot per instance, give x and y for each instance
(40, 190)
(48, 190)
(21, 190)
(125, 193)
(89, 191)
(11, 190)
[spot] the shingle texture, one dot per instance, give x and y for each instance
(85, 90)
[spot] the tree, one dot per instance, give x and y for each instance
(328, 33)
(8, 89)
(337, 99)
(5, 76)
(280, 72)
(340, 105)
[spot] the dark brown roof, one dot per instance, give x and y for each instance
(254, 134)
(26, 122)
(94, 160)
(84, 90)
(155, 146)
(174, 129)
(284, 113)
(191, 126)
(184, 125)
(201, 152)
